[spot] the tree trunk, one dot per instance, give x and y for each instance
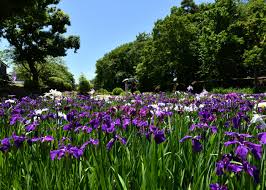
(35, 75)
(256, 80)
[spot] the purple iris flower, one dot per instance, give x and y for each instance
(85, 129)
(113, 140)
(107, 119)
(244, 146)
(241, 151)
(31, 127)
(33, 140)
(109, 128)
(67, 127)
(5, 145)
(117, 122)
(216, 186)
(47, 139)
(72, 125)
(110, 144)
(126, 122)
(144, 111)
(2, 112)
(206, 116)
(84, 115)
(226, 164)
(121, 139)
(142, 124)
(57, 153)
(18, 140)
(196, 145)
(262, 137)
(94, 141)
(160, 114)
(236, 122)
(213, 129)
(94, 123)
(74, 151)
(159, 136)
(14, 118)
(72, 115)
(252, 171)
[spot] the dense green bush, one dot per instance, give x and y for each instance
(58, 83)
(137, 92)
(29, 84)
(102, 91)
(117, 91)
(84, 84)
(125, 93)
(68, 86)
(229, 90)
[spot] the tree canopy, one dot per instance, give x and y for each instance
(39, 34)
(10, 8)
(219, 40)
(54, 67)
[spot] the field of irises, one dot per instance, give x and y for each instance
(146, 141)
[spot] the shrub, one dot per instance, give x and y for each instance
(67, 86)
(117, 91)
(30, 85)
(229, 90)
(84, 84)
(124, 93)
(137, 92)
(102, 91)
(58, 83)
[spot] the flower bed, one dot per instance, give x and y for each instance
(145, 141)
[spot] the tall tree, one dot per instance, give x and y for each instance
(254, 26)
(10, 8)
(54, 67)
(171, 54)
(119, 64)
(189, 6)
(220, 40)
(220, 46)
(39, 34)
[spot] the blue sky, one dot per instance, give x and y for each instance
(105, 24)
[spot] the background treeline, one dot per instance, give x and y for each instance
(214, 41)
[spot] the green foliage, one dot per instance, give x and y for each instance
(53, 67)
(29, 84)
(10, 8)
(138, 164)
(230, 90)
(216, 41)
(102, 91)
(125, 93)
(119, 64)
(117, 91)
(58, 83)
(84, 85)
(137, 92)
(37, 35)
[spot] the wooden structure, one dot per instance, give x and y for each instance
(4, 79)
(3, 68)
